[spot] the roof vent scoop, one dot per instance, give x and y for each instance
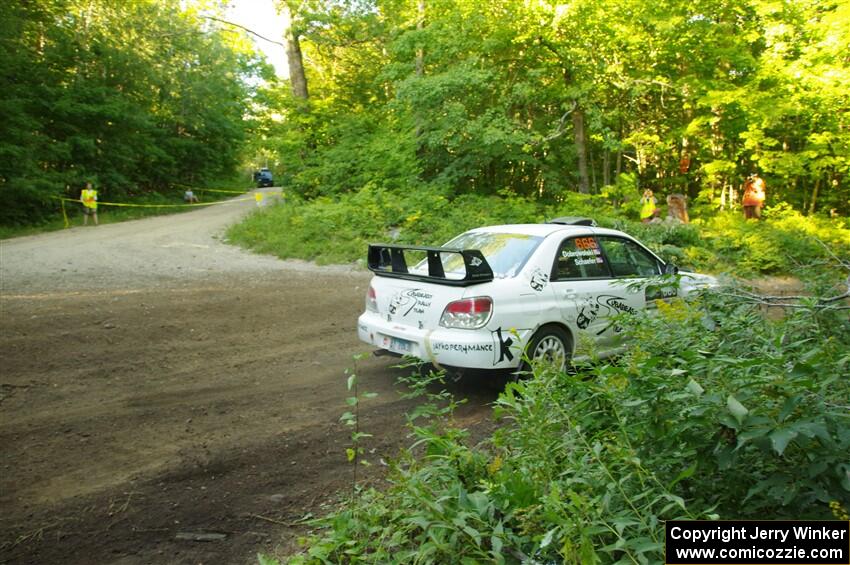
(572, 221)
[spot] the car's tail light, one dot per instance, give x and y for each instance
(467, 314)
(371, 300)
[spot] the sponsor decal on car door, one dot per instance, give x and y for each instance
(634, 266)
(587, 293)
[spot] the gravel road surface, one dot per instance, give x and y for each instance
(168, 398)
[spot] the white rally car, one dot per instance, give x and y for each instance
(494, 295)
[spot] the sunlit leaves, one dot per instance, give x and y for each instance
(732, 85)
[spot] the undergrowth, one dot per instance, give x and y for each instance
(338, 230)
(716, 411)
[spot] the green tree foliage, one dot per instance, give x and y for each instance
(539, 98)
(131, 95)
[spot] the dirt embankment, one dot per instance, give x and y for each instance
(167, 398)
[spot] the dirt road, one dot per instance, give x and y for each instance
(168, 398)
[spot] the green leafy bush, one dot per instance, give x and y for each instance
(715, 412)
(782, 242)
(756, 406)
(339, 229)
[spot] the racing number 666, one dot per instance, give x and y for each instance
(585, 243)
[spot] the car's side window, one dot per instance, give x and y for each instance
(580, 258)
(628, 259)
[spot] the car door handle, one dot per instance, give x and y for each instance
(570, 293)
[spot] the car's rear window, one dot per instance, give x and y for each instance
(505, 252)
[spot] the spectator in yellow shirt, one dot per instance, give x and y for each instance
(648, 207)
(89, 199)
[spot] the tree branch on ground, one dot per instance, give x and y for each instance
(803, 301)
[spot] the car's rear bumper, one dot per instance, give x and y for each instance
(471, 349)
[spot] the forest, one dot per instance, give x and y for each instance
(540, 98)
(413, 120)
(442, 98)
(131, 96)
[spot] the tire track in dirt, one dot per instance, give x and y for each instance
(151, 391)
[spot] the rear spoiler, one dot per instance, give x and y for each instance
(387, 260)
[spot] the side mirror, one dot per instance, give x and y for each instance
(671, 269)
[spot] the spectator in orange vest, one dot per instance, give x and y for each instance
(754, 194)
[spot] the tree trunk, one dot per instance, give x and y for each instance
(814, 201)
(592, 167)
(420, 72)
(716, 145)
(581, 150)
(606, 166)
(420, 25)
(619, 166)
(579, 137)
(297, 78)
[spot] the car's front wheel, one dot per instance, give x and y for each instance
(550, 345)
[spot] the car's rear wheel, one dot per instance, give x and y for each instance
(550, 345)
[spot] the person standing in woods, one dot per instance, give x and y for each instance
(89, 199)
(189, 197)
(754, 194)
(677, 208)
(648, 207)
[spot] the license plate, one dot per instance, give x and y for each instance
(398, 345)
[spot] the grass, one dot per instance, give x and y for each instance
(338, 230)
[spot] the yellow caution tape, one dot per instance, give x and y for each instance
(257, 197)
(125, 205)
(221, 190)
(211, 189)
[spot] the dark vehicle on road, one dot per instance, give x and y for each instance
(263, 177)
